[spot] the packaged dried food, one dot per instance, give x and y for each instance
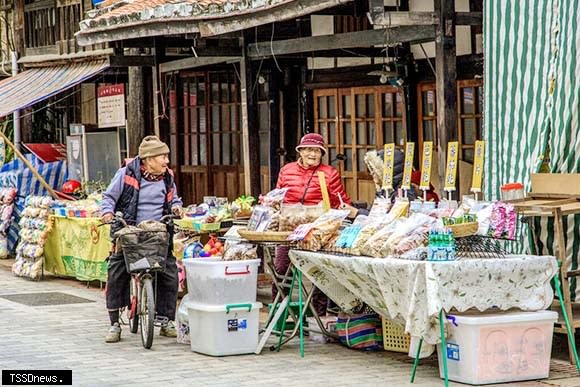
(293, 215)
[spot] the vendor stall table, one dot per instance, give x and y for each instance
(419, 292)
(77, 247)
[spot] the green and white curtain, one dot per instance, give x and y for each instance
(532, 100)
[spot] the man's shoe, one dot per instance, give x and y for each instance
(168, 330)
(114, 334)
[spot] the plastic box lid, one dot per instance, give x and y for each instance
(505, 318)
(216, 261)
(248, 307)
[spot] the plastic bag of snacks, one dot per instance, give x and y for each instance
(293, 215)
(35, 227)
(240, 252)
(323, 229)
(3, 247)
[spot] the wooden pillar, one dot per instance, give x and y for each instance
(250, 134)
(159, 123)
(446, 76)
(276, 83)
(18, 16)
(135, 109)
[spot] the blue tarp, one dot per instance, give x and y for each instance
(17, 175)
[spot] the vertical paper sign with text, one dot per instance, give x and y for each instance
(427, 161)
(388, 159)
(451, 169)
(479, 153)
(111, 105)
(409, 154)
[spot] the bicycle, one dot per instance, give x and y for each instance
(145, 253)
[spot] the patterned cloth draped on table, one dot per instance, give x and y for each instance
(532, 101)
(16, 174)
(413, 292)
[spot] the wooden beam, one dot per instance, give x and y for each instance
(340, 41)
(193, 62)
(423, 18)
(446, 78)
(131, 60)
(469, 18)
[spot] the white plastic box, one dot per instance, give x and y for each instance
(221, 330)
(498, 348)
(222, 282)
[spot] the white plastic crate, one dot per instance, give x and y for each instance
(221, 330)
(214, 282)
(498, 348)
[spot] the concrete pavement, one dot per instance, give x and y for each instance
(71, 337)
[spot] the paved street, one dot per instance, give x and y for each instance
(71, 337)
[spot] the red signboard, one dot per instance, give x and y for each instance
(47, 152)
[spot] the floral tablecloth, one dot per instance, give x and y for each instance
(413, 292)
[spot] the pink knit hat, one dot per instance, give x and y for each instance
(312, 140)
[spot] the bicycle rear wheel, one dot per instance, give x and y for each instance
(133, 312)
(147, 315)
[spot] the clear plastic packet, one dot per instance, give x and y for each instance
(323, 229)
(410, 242)
(240, 252)
(380, 208)
(260, 218)
(400, 208)
(293, 215)
(273, 198)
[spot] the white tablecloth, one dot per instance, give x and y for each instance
(414, 292)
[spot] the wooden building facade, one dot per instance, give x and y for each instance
(235, 91)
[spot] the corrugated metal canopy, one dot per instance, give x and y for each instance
(32, 86)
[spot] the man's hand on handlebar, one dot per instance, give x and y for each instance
(107, 218)
(178, 211)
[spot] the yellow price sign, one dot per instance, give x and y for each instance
(451, 170)
(388, 161)
(479, 154)
(427, 162)
(409, 154)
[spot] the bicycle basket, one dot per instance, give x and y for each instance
(145, 250)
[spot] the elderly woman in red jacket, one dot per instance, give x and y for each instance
(301, 179)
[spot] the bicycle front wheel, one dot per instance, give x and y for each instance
(147, 315)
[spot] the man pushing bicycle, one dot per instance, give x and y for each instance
(143, 190)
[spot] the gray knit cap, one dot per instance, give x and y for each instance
(152, 146)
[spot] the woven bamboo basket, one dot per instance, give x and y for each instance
(463, 229)
(264, 236)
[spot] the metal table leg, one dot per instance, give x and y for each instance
(443, 346)
(571, 340)
(416, 361)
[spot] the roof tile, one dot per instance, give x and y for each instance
(114, 12)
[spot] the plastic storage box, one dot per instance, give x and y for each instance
(221, 330)
(498, 348)
(215, 282)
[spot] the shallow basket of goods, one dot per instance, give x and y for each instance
(463, 229)
(394, 337)
(264, 236)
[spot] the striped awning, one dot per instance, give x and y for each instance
(34, 85)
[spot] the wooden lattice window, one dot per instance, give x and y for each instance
(470, 119)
